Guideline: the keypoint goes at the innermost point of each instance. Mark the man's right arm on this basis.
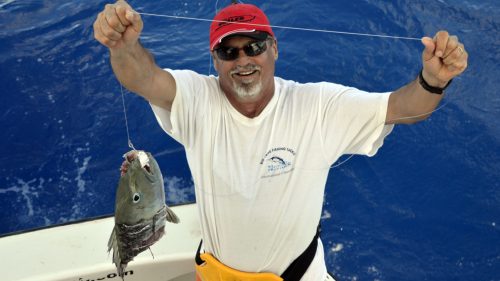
(118, 27)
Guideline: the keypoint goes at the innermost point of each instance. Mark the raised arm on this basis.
(118, 27)
(443, 58)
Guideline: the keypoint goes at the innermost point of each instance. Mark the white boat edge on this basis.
(78, 252)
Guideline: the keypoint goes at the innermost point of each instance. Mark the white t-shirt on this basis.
(259, 182)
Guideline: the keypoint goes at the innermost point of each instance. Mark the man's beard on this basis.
(246, 91)
(250, 90)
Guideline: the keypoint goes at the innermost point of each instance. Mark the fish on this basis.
(140, 210)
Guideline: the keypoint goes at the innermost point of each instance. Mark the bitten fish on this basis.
(140, 209)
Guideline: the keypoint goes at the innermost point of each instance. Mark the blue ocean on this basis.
(426, 207)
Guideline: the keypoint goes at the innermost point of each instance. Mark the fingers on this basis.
(120, 11)
(444, 51)
(456, 59)
(429, 48)
(108, 27)
(454, 55)
(114, 22)
(135, 20)
(451, 45)
(106, 33)
(129, 17)
(441, 41)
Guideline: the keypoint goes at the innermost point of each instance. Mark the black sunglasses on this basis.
(231, 53)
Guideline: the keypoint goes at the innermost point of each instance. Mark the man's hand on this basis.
(118, 26)
(444, 57)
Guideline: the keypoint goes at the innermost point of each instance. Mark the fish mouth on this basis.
(148, 172)
(144, 160)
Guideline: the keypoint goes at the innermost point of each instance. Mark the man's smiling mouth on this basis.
(246, 73)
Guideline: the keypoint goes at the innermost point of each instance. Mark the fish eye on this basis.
(136, 198)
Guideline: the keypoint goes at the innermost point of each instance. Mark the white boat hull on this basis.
(78, 252)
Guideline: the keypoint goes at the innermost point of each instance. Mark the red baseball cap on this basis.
(241, 19)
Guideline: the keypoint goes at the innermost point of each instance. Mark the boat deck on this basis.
(78, 252)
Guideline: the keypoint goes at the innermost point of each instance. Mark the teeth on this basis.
(246, 73)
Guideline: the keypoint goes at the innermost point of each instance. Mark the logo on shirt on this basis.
(278, 161)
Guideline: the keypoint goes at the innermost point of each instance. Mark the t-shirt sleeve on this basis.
(190, 103)
(352, 121)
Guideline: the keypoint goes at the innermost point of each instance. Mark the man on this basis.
(260, 147)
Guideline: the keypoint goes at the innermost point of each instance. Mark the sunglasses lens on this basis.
(227, 53)
(231, 53)
(255, 48)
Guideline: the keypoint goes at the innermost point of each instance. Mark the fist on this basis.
(443, 58)
(118, 25)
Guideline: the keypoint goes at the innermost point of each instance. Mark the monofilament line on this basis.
(396, 119)
(126, 119)
(311, 30)
(288, 27)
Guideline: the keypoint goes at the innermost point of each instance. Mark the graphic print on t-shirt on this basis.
(278, 161)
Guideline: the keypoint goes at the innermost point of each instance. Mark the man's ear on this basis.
(275, 48)
(214, 59)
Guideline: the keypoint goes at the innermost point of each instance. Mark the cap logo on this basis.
(229, 20)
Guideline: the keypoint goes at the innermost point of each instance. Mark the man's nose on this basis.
(242, 57)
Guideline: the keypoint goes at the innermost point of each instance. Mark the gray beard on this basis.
(247, 91)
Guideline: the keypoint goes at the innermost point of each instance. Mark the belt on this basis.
(210, 269)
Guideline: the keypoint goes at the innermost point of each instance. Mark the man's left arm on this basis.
(443, 58)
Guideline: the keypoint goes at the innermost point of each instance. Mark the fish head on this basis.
(140, 192)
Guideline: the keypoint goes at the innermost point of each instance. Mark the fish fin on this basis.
(113, 245)
(171, 216)
(112, 240)
(121, 270)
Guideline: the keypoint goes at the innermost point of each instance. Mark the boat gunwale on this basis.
(83, 220)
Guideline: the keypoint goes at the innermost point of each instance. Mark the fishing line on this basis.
(311, 30)
(383, 124)
(209, 55)
(249, 186)
(126, 119)
(286, 27)
(289, 28)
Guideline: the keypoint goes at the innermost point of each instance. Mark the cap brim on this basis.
(258, 35)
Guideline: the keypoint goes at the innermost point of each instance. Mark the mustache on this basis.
(246, 68)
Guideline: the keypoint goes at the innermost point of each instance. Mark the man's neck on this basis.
(251, 107)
